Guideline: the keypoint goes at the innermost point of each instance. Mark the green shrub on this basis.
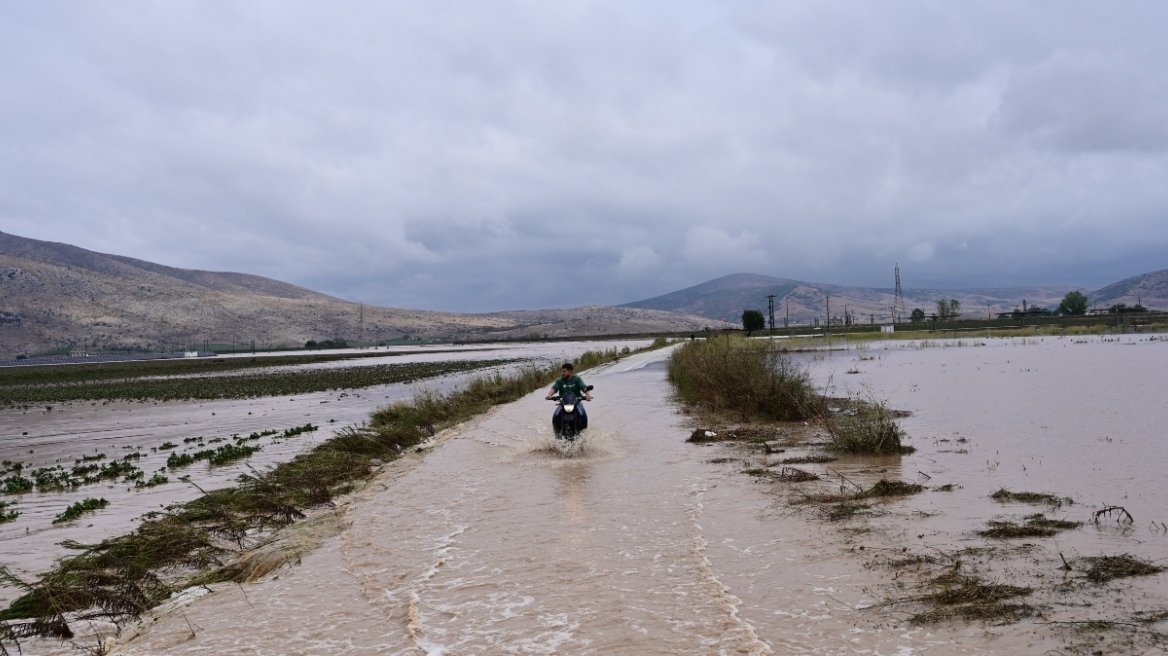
(80, 508)
(872, 430)
(746, 378)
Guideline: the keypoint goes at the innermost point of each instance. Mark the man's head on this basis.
(566, 370)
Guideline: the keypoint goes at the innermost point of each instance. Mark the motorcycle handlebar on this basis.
(586, 389)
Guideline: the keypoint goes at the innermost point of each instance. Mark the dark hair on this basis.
(568, 366)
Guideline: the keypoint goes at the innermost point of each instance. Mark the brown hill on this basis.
(53, 295)
(726, 298)
(1149, 290)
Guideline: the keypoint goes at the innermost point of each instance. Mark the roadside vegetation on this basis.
(747, 380)
(207, 540)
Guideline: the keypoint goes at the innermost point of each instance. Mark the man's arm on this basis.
(584, 388)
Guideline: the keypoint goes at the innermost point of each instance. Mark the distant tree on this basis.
(1073, 303)
(1124, 308)
(948, 309)
(752, 320)
(917, 316)
(310, 344)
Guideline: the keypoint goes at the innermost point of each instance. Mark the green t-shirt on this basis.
(574, 385)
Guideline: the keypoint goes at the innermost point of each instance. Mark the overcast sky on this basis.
(475, 156)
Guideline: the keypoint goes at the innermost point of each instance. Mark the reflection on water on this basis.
(494, 544)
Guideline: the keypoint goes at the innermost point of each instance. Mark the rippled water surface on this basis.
(41, 438)
(495, 542)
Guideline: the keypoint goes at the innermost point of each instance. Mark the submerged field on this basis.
(212, 378)
(1026, 521)
(1031, 509)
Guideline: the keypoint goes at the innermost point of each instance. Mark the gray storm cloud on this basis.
(478, 156)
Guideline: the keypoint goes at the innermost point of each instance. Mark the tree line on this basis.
(1073, 304)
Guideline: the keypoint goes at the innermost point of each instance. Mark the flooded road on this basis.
(499, 543)
(494, 542)
(37, 437)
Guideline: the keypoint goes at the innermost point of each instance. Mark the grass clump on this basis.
(882, 488)
(886, 488)
(75, 511)
(745, 378)
(834, 507)
(809, 460)
(153, 481)
(16, 484)
(843, 510)
(960, 596)
(871, 430)
(220, 455)
(1033, 526)
(294, 431)
(7, 515)
(1103, 569)
(1035, 498)
(796, 475)
(200, 541)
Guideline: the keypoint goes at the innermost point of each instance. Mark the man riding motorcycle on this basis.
(569, 383)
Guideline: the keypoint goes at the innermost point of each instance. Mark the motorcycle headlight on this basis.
(569, 408)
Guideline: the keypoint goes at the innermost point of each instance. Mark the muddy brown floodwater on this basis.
(495, 542)
(37, 437)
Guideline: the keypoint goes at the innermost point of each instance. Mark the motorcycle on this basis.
(569, 419)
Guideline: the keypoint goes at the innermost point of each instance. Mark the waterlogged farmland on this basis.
(214, 378)
(1029, 519)
(650, 541)
(144, 449)
(1034, 505)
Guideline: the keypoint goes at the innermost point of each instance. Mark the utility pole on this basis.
(898, 300)
(771, 310)
(787, 321)
(827, 298)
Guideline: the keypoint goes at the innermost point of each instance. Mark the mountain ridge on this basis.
(727, 296)
(53, 295)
